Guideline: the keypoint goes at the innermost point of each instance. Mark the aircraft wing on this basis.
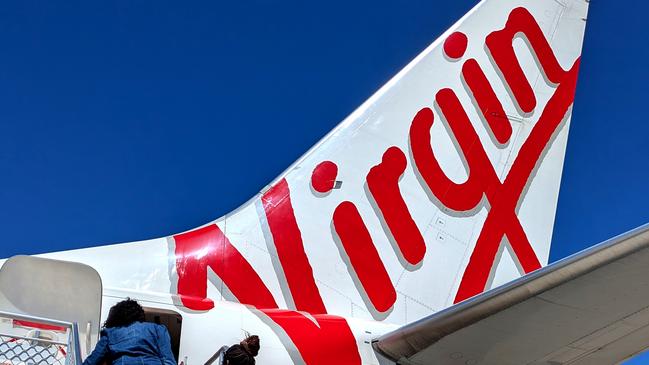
(590, 308)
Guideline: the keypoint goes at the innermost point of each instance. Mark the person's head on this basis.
(124, 313)
(251, 344)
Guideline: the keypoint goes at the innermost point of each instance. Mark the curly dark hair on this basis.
(244, 353)
(251, 344)
(124, 313)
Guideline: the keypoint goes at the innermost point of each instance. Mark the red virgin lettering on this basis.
(484, 95)
(455, 45)
(323, 177)
(501, 45)
(483, 181)
(501, 221)
(208, 247)
(363, 257)
(328, 341)
(505, 199)
(459, 197)
(502, 216)
(290, 249)
(383, 183)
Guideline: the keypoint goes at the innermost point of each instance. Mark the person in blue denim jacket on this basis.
(126, 339)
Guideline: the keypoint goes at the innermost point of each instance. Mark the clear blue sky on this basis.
(127, 120)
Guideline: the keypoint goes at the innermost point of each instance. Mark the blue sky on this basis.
(127, 120)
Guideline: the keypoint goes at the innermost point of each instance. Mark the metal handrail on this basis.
(34, 339)
(73, 344)
(76, 344)
(41, 320)
(218, 355)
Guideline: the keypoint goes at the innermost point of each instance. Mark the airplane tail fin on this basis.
(441, 185)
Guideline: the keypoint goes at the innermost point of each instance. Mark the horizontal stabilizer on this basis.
(591, 308)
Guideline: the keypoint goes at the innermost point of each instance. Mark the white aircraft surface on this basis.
(380, 245)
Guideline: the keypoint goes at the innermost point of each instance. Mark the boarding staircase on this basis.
(33, 340)
(49, 311)
(218, 358)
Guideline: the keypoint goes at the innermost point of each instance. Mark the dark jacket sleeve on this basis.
(164, 346)
(100, 353)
